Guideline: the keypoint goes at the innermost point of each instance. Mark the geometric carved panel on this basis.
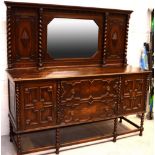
(89, 99)
(38, 106)
(133, 95)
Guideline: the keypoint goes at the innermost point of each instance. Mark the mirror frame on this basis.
(95, 60)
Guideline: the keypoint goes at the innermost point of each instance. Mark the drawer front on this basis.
(88, 99)
(133, 92)
(38, 104)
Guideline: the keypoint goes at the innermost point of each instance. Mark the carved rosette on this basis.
(105, 39)
(9, 33)
(17, 104)
(126, 40)
(40, 64)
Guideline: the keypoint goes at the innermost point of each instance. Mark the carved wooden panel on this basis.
(39, 105)
(116, 33)
(88, 99)
(133, 94)
(25, 39)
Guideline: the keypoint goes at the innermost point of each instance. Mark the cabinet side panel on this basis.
(12, 101)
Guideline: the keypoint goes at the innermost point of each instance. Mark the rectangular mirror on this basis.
(72, 38)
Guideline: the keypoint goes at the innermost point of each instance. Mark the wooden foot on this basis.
(115, 129)
(57, 140)
(141, 125)
(120, 120)
(11, 132)
(19, 149)
(11, 140)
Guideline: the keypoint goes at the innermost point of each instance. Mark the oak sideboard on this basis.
(67, 71)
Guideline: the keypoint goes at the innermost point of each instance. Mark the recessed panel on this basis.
(72, 38)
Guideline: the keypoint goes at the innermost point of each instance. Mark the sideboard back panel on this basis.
(27, 35)
(116, 34)
(24, 42)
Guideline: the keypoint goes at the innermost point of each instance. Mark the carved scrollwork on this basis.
(85, 100)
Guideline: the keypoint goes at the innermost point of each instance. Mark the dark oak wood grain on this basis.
(49, 95)
(27, 74)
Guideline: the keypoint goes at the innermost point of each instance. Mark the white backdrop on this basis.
(139, 30)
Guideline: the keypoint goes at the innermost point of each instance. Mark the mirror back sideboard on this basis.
(57, 87)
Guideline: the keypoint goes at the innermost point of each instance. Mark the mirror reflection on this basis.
(72, 38)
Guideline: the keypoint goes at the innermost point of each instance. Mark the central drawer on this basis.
(86, 100)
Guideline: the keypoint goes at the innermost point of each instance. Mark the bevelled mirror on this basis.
(72, 38)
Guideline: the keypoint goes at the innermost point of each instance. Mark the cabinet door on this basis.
(38, 104)
(88, 100)
(133, 92)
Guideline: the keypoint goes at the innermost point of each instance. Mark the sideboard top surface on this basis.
(65, 73)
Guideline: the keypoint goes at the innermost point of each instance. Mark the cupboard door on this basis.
(88, 100)
(133, 92)
(38, 104)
